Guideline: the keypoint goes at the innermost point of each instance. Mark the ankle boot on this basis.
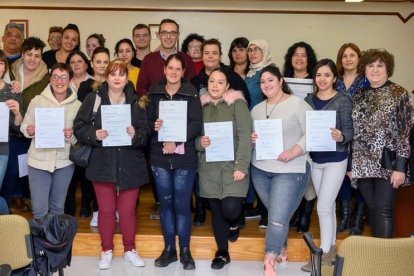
(304, 221)
(199, 213)
(186, 259)
(167, 256)
(358, 227)
(345, 223)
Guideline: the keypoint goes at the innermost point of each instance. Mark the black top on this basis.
(49, 57)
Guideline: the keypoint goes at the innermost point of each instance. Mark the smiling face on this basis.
(55, 40)
(270, 85)
(168, 36)
(376, 73)
(91, 44)
(117, 80)
(350, 60)
(31, 59)
(78, 65)
(125, 53)
(141, 38)
(194, 50)
(255, 54)
(239, 55)
(300, 60)
(59, 80)
(99, 64)
(211, 56)
(217, 85)
(324, 78)
(70, 40)
(173, 71)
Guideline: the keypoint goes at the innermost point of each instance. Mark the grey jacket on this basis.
(342, 104)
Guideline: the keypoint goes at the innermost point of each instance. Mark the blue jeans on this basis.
(3, 166)
(281, 193)
(174, 188)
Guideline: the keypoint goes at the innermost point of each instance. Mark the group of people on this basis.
(374, 118)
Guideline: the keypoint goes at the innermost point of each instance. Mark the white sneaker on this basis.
(94, 220)
(133, 258)
(105, 260)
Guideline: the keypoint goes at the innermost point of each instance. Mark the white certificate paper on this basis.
(300, 87)
(49, 123)
(116, 119)
(23, 167)
(318, 132)
(221, 146)
(4, 122)
(174, 126)
(269, 142)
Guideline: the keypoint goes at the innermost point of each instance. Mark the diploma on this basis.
(221, 146)
(269, 142)
(318, 132)
(49, 123)
(23, 167)
(4, 122)
(115, 120)
(174, 117)
(300, 87)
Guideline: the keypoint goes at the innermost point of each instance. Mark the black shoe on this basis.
(199, 215)
(253, 213)
(168, 256)
(263, 221)
(186, 259)
(345, 223)
(85, 212)
(222, 258)
(234, 233)
(304, 221)
(358, 226)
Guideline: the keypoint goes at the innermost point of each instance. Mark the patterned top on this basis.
(382, 117)
(359, 83)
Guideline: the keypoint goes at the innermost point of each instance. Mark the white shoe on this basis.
(105, 260)
(133, 258)
(94, 220)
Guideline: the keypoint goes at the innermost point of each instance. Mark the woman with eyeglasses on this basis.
(50, 169)
(382, 117)
(192, 47)
(55, 38)
(70, 42)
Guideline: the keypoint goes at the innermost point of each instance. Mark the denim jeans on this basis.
(3, 166)
(174, 188)
(281, 193)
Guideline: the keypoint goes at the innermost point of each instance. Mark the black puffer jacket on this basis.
(187, 93)
(124, 165)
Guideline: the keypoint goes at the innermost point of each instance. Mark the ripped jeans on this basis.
(175, 187)
(281, 193)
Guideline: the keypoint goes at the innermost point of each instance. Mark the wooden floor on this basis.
(149, 241)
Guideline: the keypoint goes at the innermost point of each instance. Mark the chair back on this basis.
(376, 256)
(15, 242)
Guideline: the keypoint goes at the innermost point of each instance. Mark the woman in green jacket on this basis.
(225, 183)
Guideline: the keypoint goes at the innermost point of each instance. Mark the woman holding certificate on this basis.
(281, 179)
(48, 121)
(117, 166)
(224, 159)
(174, 160)
(383, 117)
(329, 167)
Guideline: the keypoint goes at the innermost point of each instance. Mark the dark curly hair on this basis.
(188, 39)
(33, 43)
(288, 70)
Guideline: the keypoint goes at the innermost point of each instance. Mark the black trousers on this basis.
(225, 213)
(380, 198)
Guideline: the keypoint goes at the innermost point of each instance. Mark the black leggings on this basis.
(380, 198)
(225, 213)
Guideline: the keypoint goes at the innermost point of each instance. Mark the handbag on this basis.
(79, 153)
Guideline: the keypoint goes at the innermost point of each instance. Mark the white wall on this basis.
(325, 32)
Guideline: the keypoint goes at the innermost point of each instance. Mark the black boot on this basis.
(294, 220)
(358, 226)
(199, 213)
(345, 223)
(168, 256)
(304, 221)
(186, 259)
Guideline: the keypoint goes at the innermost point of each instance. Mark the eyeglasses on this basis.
(253, 50)
(55, 38)
(195, 47)
(63, 78)
(165, 33)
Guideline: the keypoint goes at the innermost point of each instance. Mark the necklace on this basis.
(268, 115)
